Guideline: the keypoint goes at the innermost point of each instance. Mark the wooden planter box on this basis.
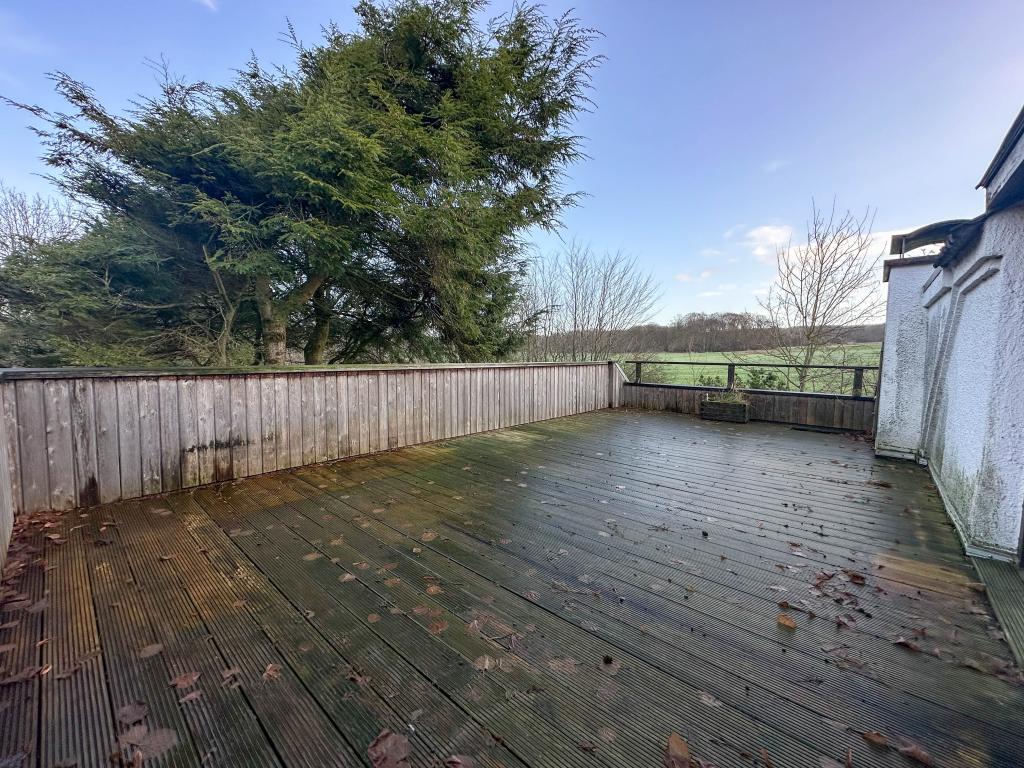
(719, 411)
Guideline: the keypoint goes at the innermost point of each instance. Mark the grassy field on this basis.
(713, 375)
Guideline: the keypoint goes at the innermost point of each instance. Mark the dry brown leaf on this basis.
(185, 680)
(766, 758)
(389, 750)
(346, 577)
(272, 672)
(133, 735)
(677, 754)
(433, 589)
(876, 738)
(908, 644)
(915, 753)
(150, 650)
(311, 556)
(483, 663)
(459, 761)
(157, 743)
(428, 536)
(191, 696)
(373, 618)
(610, 666)
(784, 620)
(437, 627)
(132, 713)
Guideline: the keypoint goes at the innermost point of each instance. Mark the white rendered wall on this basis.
(901, 391)
(966, 366)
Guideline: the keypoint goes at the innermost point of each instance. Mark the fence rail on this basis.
(857, 388)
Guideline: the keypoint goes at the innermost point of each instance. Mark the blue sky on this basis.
(715, 123)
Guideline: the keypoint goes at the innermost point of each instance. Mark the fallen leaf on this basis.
(915, 753)
(876, 738)
(428, 536)
(483, 663)
(433, 589)
(908, 644)
(132, 713)
(766, 758)
(677, 755)
(272, 672)
(784, 620)
(311, 556)
(346, 577)
(610, 666)
(191, 696)
(157, 743)
(373, 618)
(459, 761)
(437, 627)
(133, 735)
(607, 734)
(389, 750)
(185, 680)
(709, 700)
(150, 650)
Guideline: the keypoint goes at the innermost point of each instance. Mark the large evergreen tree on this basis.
(368, 202)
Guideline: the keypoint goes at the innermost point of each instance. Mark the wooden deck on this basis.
(566, 593)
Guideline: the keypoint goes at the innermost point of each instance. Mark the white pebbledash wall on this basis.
(952, 380)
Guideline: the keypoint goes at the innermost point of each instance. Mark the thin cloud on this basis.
(706, 274)
(710, 294)
(725, 287)
(210, 5)
(774, 165)
(764, 241)
(684, 277)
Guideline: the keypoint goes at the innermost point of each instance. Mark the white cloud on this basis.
(764, 241)
(706, 274)
(762, 291)
(731, 231)
(684, 277)
(774, 165)
(210, 5)
(727, 287)
(710, 294)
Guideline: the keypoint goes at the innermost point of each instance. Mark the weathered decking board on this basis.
(467, 593)
(1005, 586)
(841, 412)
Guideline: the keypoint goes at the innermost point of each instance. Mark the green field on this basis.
(714, 375)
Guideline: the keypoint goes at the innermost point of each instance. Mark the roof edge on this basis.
(1009, 141)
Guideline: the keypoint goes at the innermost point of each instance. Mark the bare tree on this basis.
(822, 288)
(587, 304)
(26, 222)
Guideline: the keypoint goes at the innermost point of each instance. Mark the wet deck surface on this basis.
(568, 593)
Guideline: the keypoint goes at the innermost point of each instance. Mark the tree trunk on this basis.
(316, 344)
(273, 327)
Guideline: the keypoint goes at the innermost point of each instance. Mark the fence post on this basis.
(613, 400)
(858, 382)
(636, 373)
(730, 380)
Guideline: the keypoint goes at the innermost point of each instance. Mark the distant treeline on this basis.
(709, 332)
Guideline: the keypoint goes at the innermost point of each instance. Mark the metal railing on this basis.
(857, 388)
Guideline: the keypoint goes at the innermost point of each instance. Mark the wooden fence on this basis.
(846, 412)
(76, 438)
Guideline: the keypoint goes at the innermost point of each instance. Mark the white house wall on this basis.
(952, 392)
